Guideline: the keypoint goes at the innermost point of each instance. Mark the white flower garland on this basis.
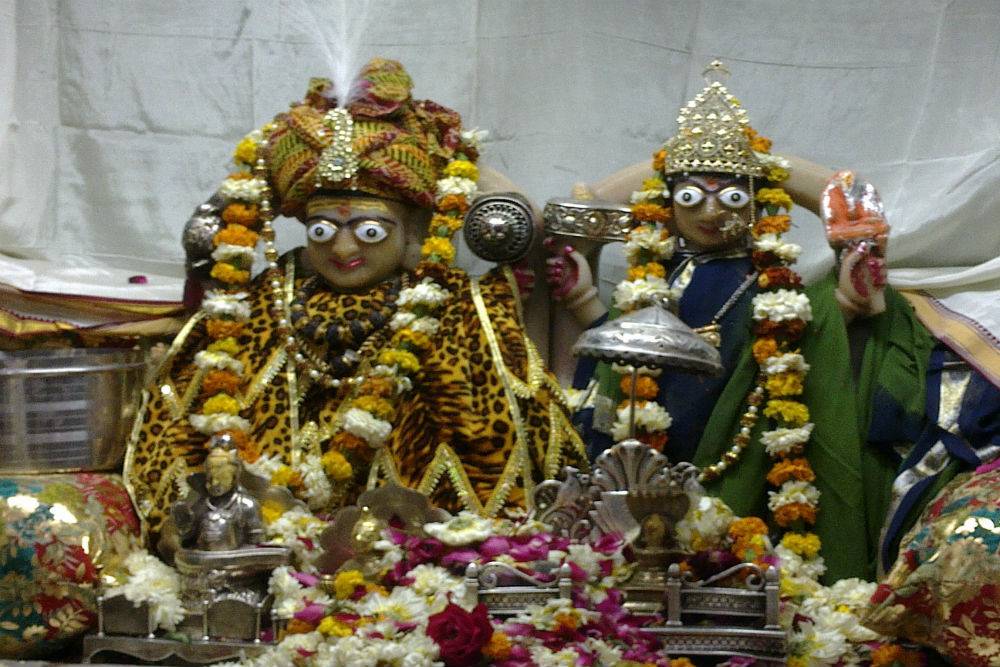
(781, 441)
(366, 426)
(249, 190)
(156, 584)
(650, 416)
(782, 305)
(793, 491)
(219, 421)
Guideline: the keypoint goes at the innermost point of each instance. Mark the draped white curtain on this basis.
(118, 116)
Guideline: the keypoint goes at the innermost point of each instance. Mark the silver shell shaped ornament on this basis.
(652, 336)
(499, 227)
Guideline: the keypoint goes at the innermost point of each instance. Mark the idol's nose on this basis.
(344, 245)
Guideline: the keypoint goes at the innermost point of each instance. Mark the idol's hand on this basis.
(571, 281)
(861, 280)
(525, 277)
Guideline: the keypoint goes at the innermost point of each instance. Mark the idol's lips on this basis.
(710, 229)
(347, 266)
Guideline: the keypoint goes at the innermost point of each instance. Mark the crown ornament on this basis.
(711, 132)
(337, 162)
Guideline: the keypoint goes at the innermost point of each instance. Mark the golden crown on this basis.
(712, 133)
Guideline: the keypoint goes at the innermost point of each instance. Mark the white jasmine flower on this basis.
(318, 490)
(781, 305)
(424, 293)
(367, 426)
(223, 304)
(243, 189)
(466, 528)
(544, 657)
(649, 417)
(585, 558)
(209, 359)
(640, 196)
(771, 160)
(474, 137)
(219, 421)
(792, 565)
(783, 440)
(227, 252)
(426, 325)
(788, 252)
(633, 294)
(793, 491)
(265, 466)
(789, 361)
(648, 237)
(705, 525)
(456, 185)
(401, 320)
(289, 594)
(430, 580)
(152, 582)
(402, 604)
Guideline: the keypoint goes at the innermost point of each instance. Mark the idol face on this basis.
(356, 242)
(220, 475)
(712, 211)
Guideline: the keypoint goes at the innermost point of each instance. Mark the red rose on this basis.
(460, 635)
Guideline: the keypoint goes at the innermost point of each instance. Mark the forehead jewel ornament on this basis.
(337, 162)
(711, 132)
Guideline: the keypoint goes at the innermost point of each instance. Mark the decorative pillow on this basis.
(58, 534)
(944, 589)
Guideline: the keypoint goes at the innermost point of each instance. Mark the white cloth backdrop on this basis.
(118, 116)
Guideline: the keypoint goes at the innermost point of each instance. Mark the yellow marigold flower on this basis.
(886, 655)
(345, 582)
(653, 183)
(798, 661)
(774, 198)
(285, 476)
(221, 403)
(791, 412)
(806, 545)
(239, 213)
(777, 174)
(681, 662)
(246, 152)
(407, 361)
(227, 345)
(336, 466)
(787, 469)
(772, 224)
(645, 270)
(271, 511)
(331, 627)
(379, 407)
(498, 647)
(227, 273)
(439, 246)
(566, 620)
(462, 169)
(646, 212)
(785, 384)
(417, 339)
(450, 223)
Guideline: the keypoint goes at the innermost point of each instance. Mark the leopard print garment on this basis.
(459, 405)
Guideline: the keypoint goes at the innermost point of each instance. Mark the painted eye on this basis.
(734, 197)
(370, 231)
(689, 196)
(321, 232)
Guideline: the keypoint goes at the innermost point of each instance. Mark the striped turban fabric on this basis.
(401, 144)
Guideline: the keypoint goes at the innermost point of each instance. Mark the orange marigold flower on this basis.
(655, 440)
(236, 235)
(646, 212)
(219, 329)
(764, 348)
(297, 626)
(565, 621)
(886, 655)
(757, 142)
(644, 270)
(788, 514)
(345, 441)
(239, 213)
(765, 259)
(220, 381)
(681, 662)
(377, 386)
(645, 386)
(248, 449)
(772, 224)
(789, 329)
(747, 527)
(791, 469)
(659, 159)
(458, 203)
(498, 647)
(228, 273)
(776, 277)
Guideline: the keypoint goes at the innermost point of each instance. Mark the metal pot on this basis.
(67, 410)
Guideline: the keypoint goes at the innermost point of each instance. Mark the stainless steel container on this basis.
(67, 410)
